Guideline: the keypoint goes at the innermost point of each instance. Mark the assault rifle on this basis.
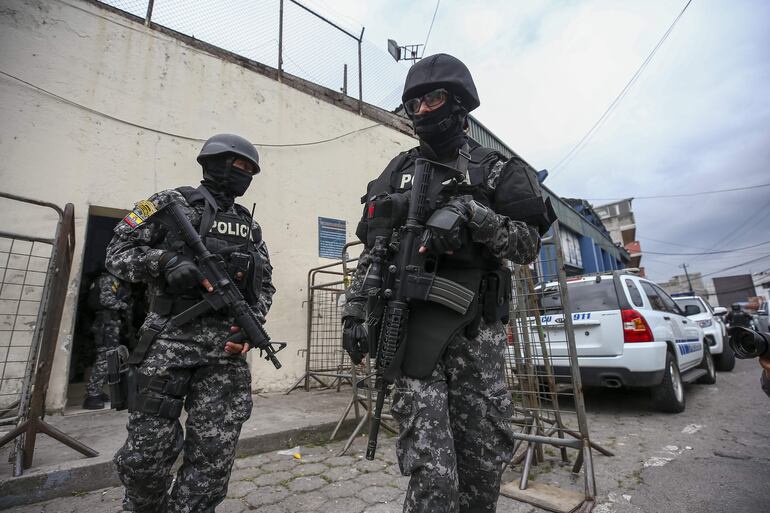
(408, 277)
(226, 294)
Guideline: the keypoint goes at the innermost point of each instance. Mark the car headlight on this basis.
(705, 324)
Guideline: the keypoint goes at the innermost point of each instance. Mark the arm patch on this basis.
(141, 212)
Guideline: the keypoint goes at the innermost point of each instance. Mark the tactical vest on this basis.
(228, 235)
(517, 196)
(432, 326)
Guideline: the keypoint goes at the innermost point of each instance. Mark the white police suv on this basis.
(628, 332)
(714, 330)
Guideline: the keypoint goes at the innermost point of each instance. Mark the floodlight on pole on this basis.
(404, 53)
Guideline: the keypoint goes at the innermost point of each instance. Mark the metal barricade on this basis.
(545, 383)
(327, 365)
(35, 275)
(23, 266)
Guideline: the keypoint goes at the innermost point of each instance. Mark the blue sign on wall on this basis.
(331, 237)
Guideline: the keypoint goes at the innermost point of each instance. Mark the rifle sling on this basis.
(149, 334)
(192, 311)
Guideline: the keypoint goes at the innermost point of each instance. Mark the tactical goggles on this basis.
(431, 100)
(245, 166)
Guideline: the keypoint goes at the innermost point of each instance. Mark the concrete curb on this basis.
(84, 476)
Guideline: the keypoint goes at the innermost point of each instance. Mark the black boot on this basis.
(93, 403)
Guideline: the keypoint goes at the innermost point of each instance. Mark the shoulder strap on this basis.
(397, 163)
(383, 183)
(463, 159)
(477, 174)
(197, 195)
(191, 194)
(480, 153)
(242, 210)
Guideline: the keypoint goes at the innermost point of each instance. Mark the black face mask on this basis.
(442, 130)
(225, 181)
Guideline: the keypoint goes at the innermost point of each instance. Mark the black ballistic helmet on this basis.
(441, 70)
(223, 144)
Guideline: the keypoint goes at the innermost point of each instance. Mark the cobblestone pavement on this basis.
(713, 457)
(320, 481)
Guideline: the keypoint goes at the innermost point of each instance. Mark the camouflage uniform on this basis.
(455, 432)
(113, 298)
(215, 386)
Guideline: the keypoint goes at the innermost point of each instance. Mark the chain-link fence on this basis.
(288, 36)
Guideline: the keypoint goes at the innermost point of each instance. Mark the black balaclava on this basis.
(442, 131)
(224, 181)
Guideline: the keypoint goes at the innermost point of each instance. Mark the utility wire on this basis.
(425, 44)
(171, 134)
(575, 149)
(672, 243)
(736, 265)
(685, 194)
(709, 252)
(713, 259)
(744, 226)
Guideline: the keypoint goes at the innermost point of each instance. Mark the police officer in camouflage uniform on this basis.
(110, 298)
(451, 400)
(193, 365)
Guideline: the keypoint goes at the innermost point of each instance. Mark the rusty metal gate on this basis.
(34, 274)
(545, 382)
(327, 365)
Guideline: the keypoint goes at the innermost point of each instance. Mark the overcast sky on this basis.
(697, 119)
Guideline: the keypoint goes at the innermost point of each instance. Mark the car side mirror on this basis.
(720, 310)
(691, 310)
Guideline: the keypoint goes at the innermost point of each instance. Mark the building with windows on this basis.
(618, 218)
(682, 283)
(588, 245)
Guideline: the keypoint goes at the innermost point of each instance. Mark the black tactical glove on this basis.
(354, 338)
(181, 273)
(443, 231)
(482, 221)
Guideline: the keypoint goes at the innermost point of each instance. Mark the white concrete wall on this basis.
(61, 153)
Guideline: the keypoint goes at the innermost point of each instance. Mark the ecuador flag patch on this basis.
(142, 211)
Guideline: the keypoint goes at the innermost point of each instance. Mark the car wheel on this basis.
(726, 361)
(669, 395)
(708, 365)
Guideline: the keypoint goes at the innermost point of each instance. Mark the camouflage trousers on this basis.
(106, 337)
(218, 402)
(454, 427)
